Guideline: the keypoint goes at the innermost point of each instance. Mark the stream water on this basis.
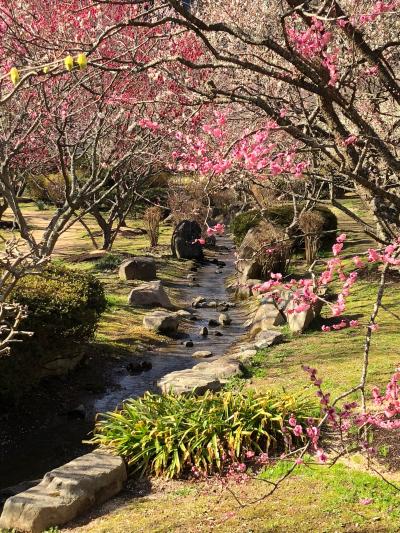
(60, 440)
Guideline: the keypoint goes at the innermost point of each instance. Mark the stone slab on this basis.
(65, 492)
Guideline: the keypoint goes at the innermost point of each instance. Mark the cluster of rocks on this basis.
(201, 302)
(271, 314)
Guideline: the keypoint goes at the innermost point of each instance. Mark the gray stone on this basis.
(184, 314)
(143, 268)
(162, 322)
(224, 319)
(184, 242)
(246, 355)
(65, 493)
(217, 333)
(299, 322)
(267, 317)
(213, 323)
(188, 344)
(203, 331)
(246, 290)
(265, 339)
(197, 301)
(212, 304)
(202, 354)
(200, 378)
(151, 294)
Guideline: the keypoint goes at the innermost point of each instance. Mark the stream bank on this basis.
(61, 413)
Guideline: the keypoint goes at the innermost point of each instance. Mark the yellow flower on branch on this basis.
(81, 60)
(69, 62)
(14, 75)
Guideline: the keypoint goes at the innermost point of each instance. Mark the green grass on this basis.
(337, 355)
(320, 500)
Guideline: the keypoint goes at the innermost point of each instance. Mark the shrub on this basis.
(62, 303)
(64, 307)
(311, 224)
(242, 223)
(48, 188)
(152, 219)
(282, 216)
(108, 262)
(172, 435)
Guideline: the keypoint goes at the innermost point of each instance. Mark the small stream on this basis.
(60, 440)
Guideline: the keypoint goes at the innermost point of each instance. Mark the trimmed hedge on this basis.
(281, 216)
(64, 307)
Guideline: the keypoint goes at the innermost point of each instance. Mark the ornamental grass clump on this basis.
(177, 435)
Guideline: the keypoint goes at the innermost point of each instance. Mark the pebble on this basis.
(188, 344)
(224, 319)
(203, 331)
(202, 354)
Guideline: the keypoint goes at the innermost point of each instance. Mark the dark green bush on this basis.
(108, 262)
(171, 435)
(242, 223)
(64, 307)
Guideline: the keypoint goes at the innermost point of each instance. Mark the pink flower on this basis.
(342, 237)
(354, 323)
(298, 430)
(366, 501)
(373, 327)
(292, 421)
(350, 140)
(299, 461)
(249, 454)
(357, 261)
(322, 457)
(337, 248)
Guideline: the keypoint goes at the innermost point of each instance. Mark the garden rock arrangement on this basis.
(142, 268)
(65, 492)
(163, 322)
(151, 294)
(184, 242)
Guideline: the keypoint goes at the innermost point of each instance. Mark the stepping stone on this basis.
(268, 338)
(202, 354)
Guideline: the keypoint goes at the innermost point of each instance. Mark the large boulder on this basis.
(65, 492)
(268, 316)
(183, 242)
(299, 322)
(162, 322)
(151, 294)
(265, 339)
(143, 268)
